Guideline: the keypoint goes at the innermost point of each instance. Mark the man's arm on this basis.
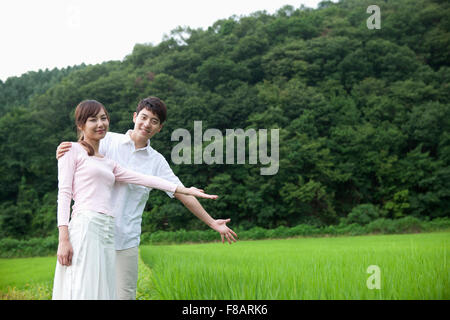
(192, 204)
(219, 225)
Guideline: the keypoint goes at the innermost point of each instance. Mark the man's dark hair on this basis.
(155, 105)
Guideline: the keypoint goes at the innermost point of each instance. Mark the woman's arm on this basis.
(129, 176)
(66, 171)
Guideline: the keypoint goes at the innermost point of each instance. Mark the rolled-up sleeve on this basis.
(165, 172)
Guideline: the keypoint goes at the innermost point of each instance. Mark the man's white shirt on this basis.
(128, 199)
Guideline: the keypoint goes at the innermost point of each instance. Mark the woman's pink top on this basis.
(89, 180)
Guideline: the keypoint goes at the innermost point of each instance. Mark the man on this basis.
(133, 151)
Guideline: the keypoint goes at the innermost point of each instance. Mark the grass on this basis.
(32, 279)
(27, 278)
(412, 266)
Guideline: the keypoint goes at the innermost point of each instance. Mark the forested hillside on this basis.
(364, 116)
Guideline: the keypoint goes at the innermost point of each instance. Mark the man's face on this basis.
(146, 124)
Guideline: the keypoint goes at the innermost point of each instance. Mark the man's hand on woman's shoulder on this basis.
(62, 149)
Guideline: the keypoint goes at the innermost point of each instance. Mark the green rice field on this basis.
(391, 267)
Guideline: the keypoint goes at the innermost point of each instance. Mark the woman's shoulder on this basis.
(77, 149)
(74, 154)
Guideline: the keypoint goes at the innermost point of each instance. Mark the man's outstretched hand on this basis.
(220, 225)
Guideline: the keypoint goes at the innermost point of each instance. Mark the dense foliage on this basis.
(364, 117)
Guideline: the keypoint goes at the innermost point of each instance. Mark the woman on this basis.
(86, 254)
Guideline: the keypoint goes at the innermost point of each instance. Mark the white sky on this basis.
(59, 33)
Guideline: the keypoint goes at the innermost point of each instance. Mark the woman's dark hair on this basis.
(155, 105)
(84, 110)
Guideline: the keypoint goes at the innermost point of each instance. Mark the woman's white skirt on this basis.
(92, 273)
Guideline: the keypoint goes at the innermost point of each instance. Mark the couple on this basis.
(108, 176)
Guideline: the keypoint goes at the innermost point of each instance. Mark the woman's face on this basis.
(96, 127)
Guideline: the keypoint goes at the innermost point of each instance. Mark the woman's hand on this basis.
(65, 253)
(193, 191)
(65, 250)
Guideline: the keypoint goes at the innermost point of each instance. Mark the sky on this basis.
(60, 33)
